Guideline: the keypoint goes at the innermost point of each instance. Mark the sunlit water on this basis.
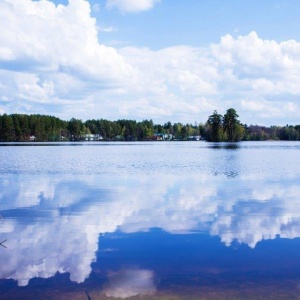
(182, 220)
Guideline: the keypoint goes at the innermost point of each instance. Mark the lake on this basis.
(150, 220)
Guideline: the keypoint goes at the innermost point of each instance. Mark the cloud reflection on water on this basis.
(53, 225)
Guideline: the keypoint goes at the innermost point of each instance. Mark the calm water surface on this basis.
(182, 220)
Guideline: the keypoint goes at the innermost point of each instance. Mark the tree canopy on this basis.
(224, 128)
(218, 128)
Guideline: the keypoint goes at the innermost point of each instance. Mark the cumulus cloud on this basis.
(53, 38)
(182, 80)
(52, 61)
(131, 6)
(43, 43)
(258, 77)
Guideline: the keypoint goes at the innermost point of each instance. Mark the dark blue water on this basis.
(175, 220)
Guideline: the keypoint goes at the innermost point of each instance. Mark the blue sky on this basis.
(199, 23)
(160, 59)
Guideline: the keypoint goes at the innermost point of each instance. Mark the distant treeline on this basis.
(21, 127)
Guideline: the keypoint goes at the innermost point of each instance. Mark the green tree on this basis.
(183, 133)
(214, 127)
(76, 128)
(177, 130)
(8, 129)
(232, 127)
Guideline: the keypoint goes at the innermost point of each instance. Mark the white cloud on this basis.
(266, 67)
(42, 42)
(131, 6)
(235, 72)
(53, 62)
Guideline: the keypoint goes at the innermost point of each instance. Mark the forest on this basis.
(218, 128)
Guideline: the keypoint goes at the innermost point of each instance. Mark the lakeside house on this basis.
(87, 137)
(92, 137)
(161, 137)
